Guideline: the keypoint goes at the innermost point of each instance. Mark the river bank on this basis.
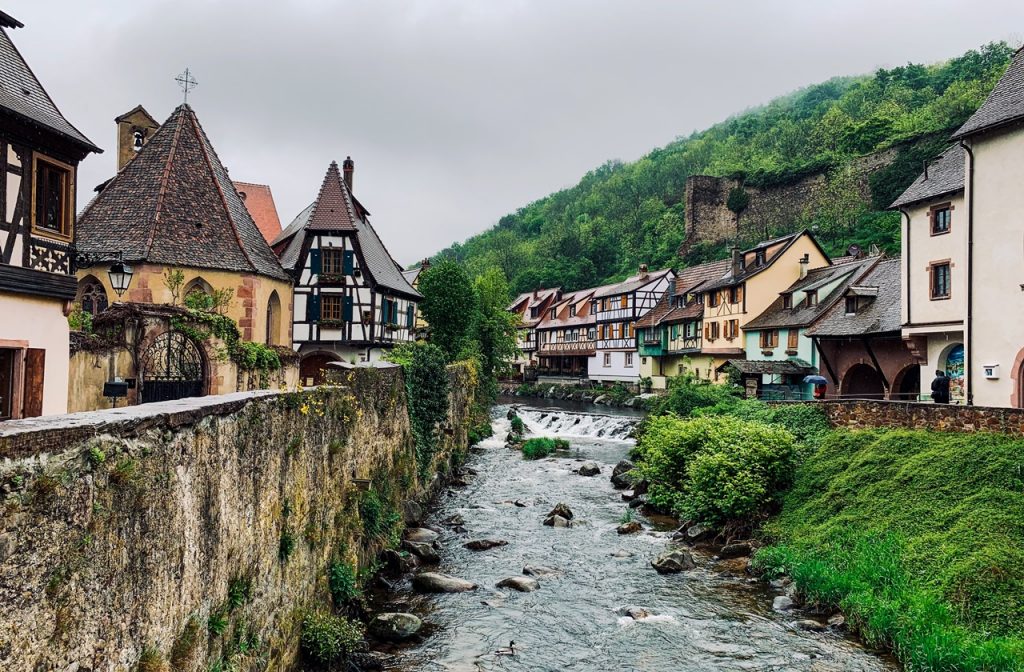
(702, 619)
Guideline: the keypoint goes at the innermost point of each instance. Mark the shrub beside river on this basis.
(917, 536)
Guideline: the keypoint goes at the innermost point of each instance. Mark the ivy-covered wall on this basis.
(200, 531)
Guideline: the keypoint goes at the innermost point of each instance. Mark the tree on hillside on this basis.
(495, 329)
(448, 305)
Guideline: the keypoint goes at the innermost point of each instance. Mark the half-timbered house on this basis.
(566, 338)
(39, 155)
(531, 307)
(616, 308)
(352, 302)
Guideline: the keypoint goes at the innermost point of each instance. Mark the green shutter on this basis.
(313, 308)
(315, 264)
(410, 315)
(348, 262)
(346, 309)
(384, 306)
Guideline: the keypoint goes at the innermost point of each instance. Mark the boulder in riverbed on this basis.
(424, 551)
(433, 582)
(524, 584)
(673, 561)
(398, 563)
(632, 527)
(394, 627)
(561, 510)
(636, 613)
(783, 603)
(557, 521)
(738, 550)
(421, 535)
(620, 478)
(540, 570)
(412, 512)
(589, 469)
(484, 544)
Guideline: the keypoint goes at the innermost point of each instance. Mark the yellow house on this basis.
(172, 209)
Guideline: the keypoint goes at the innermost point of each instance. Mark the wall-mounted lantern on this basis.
(119, 273)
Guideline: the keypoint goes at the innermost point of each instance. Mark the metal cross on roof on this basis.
(187, 82)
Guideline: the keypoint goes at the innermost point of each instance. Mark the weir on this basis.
(552, 422)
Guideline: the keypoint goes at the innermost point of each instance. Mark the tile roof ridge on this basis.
(332, 172)
(171, 151)
(251, 184)
(206, 148)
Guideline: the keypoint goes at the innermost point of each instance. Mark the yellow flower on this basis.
(304, 409)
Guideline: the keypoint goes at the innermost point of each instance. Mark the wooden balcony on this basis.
(586, 348)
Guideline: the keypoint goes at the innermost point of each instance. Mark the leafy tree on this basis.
(495, 331)
(448, 305)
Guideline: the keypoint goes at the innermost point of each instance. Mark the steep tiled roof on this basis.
(174, 204)
(259, 201)
(23, 96)
(334, 211)
(630, 284)
(945, 175)
(787, 367)
(1004, 105)
(801, 315)
(581, 300)
(730, 279)
(880, 315)
(686, 281)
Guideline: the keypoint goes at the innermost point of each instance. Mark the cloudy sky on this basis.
(459, 111)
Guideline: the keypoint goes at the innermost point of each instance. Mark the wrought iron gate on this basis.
(172, 368)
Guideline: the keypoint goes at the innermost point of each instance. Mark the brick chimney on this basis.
(643, 271)
(737, 261)
(348, 167)
(805, 261)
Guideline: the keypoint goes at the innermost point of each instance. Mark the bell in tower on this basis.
(134, 129)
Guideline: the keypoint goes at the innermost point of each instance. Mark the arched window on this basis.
(91, 295)
(198, 294)
(273, 319)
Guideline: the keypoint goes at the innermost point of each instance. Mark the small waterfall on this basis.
(567, 423)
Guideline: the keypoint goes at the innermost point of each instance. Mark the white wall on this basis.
(42, 324)
(617, 371)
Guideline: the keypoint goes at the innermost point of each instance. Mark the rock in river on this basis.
(738, 550)
(673, 561)
(782, 603)
(484, 544)
(631, 527)
(523, 584)
(421, 535)
(425, 552)
(561, 510)
(433, 582)
(538, 570)
(589, 469)
(620, 479)
(394, 627)
(557, 521)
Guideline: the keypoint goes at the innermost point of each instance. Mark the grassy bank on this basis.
(917, 536)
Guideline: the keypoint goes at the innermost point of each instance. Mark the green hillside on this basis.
(623, 214)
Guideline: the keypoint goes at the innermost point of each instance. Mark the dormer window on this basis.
(787, 300)
(759, 258)
(812, 297)
(851, 305)
(553, 311)
(572, 310)
(534, 312)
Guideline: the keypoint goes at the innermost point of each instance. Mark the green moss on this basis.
(184, 647)
(327, 639)
(151, 660)
(286, 545)
(919, 537)
(343, 582)
(382, 523)
(217, 623)
(535, 449)
(239, 592)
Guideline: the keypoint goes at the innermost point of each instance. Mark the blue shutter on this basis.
(384, 305)
(313, 308)
(348, 262)
(315, 264)
(346, 309)
(410, 315)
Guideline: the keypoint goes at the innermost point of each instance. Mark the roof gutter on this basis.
(906, 273)
(970, 274)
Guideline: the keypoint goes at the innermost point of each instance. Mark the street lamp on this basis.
(120, 275)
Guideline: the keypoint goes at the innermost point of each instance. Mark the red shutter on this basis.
(35, 367)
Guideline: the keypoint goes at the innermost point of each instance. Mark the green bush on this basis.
(329, 639)
(687, 394)
(518, 426)
(343, 583)
(918, 537)
(807, 422)
(715, 469)
(382, 522)
(535, 449)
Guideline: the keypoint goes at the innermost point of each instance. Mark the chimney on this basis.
(926, 170)
(425, 264)
(643, 271)
(348, 167)
(737, 261)
(805, 261)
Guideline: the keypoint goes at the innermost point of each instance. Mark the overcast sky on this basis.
(457, 112)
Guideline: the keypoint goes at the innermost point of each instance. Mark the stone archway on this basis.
(906, 386)
(1017, 376)
(862, 381)
(173, 367)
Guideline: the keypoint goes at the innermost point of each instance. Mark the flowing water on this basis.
(701, 620)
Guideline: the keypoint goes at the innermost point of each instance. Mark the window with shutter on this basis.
(35, 368)
(792, 340)
(315, 262)
(348, 263)
(346, 309)
(410, 315)
(313, 308)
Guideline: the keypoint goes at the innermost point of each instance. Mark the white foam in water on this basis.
(566, 423)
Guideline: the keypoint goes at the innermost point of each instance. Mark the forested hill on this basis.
(623, 214)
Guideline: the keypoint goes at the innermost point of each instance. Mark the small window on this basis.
(331, 260)
(607, 359)
(759, 258)
(812, 297)
(734, 295)
(769, 339)
(572, 310)
(591, 334)
(941, 218)
(851, 305)
(92, 297)
(52, 197)
(330, 307)
(713, 299)
(940, 280)
(552, 313)
(793, 339)
(533, 313)
(732, 329)
(787, 300)
(629, 359)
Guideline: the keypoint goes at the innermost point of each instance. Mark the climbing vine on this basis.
(247, 355)
(426, 380)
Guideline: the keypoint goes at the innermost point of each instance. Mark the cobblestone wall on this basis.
(953, 418)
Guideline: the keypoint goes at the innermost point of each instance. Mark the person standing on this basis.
(940, 388)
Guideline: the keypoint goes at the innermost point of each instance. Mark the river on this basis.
(702, 620)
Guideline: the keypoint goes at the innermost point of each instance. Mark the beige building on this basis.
(993, 141)
(39, 155)
(933, 290)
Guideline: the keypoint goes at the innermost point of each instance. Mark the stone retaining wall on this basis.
(954, 418)
(127, 529)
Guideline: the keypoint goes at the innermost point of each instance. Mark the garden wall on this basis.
(128, 529)
(953, 418)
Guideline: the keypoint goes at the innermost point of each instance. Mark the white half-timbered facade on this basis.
(39, 155)
(352, 302)
(615, 309)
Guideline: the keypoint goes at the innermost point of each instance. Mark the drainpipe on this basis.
(970, 276)
(906, 273)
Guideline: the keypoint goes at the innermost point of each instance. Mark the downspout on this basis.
(906, 274)
(969, 372)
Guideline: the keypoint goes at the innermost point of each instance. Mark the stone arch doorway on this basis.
(1017, 376)
(172, 368)
(863, 381)
(312, 367)
(951, 360)
(907, 384)
(273, 335)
